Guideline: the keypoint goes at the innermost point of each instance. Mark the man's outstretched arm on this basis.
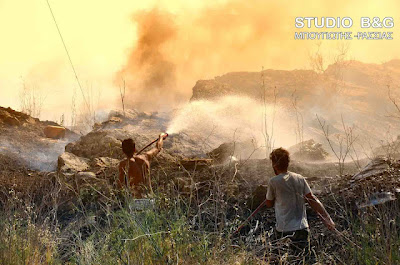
(153, 152)
(317, 206)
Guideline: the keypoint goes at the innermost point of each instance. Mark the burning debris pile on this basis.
(96, 155)
(235, 151)
(104, 142)
(143, 127)
(308, 151)
(105, 139)
(377, 183)
(391, 149)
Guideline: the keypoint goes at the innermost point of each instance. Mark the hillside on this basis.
(356, 91)
(358, 80)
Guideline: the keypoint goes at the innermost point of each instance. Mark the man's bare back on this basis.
(134, 172)
(135, 175)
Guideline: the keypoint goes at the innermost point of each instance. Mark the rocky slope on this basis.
(356, 91)
(358, 80)
(105, 139)
(22, 136)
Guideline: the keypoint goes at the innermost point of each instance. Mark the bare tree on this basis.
(342, 144)
(320, 61)
(31, 100)
(122, 94)
(389, 145)
(355, 157)
(73, 110)
(395, 103)
(299, 121)
(62, 120)
(340, 62)
(268, 126)
(317, 60)
(87, 117)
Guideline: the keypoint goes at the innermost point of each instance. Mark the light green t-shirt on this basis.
(288, 191)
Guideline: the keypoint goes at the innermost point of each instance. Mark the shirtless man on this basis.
(134, 172)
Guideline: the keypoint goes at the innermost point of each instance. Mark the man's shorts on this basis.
(300, 240)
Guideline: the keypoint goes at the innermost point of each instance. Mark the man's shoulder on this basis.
(140, 158)
(124, 162)
(276, 179)
(296, 175)
(273, 179)
(284, 176)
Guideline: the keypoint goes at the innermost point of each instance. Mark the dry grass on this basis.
(191, 223)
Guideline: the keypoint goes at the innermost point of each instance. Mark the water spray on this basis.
(163, 135)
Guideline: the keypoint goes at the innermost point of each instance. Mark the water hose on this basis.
(164, 135)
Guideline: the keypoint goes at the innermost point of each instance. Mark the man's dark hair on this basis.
(280, 158)
(128, 147)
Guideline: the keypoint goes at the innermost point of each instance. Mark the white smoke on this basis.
(42, 158)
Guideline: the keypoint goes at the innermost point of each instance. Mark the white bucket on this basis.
(141, 204)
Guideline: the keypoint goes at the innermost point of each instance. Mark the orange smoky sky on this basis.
(161, 48)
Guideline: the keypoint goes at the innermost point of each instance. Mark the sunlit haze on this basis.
(159, 47)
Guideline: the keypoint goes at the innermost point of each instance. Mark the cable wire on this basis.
(69, 57)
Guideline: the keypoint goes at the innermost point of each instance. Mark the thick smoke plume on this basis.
(149, 74)
(174, 48)
(173, 51)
